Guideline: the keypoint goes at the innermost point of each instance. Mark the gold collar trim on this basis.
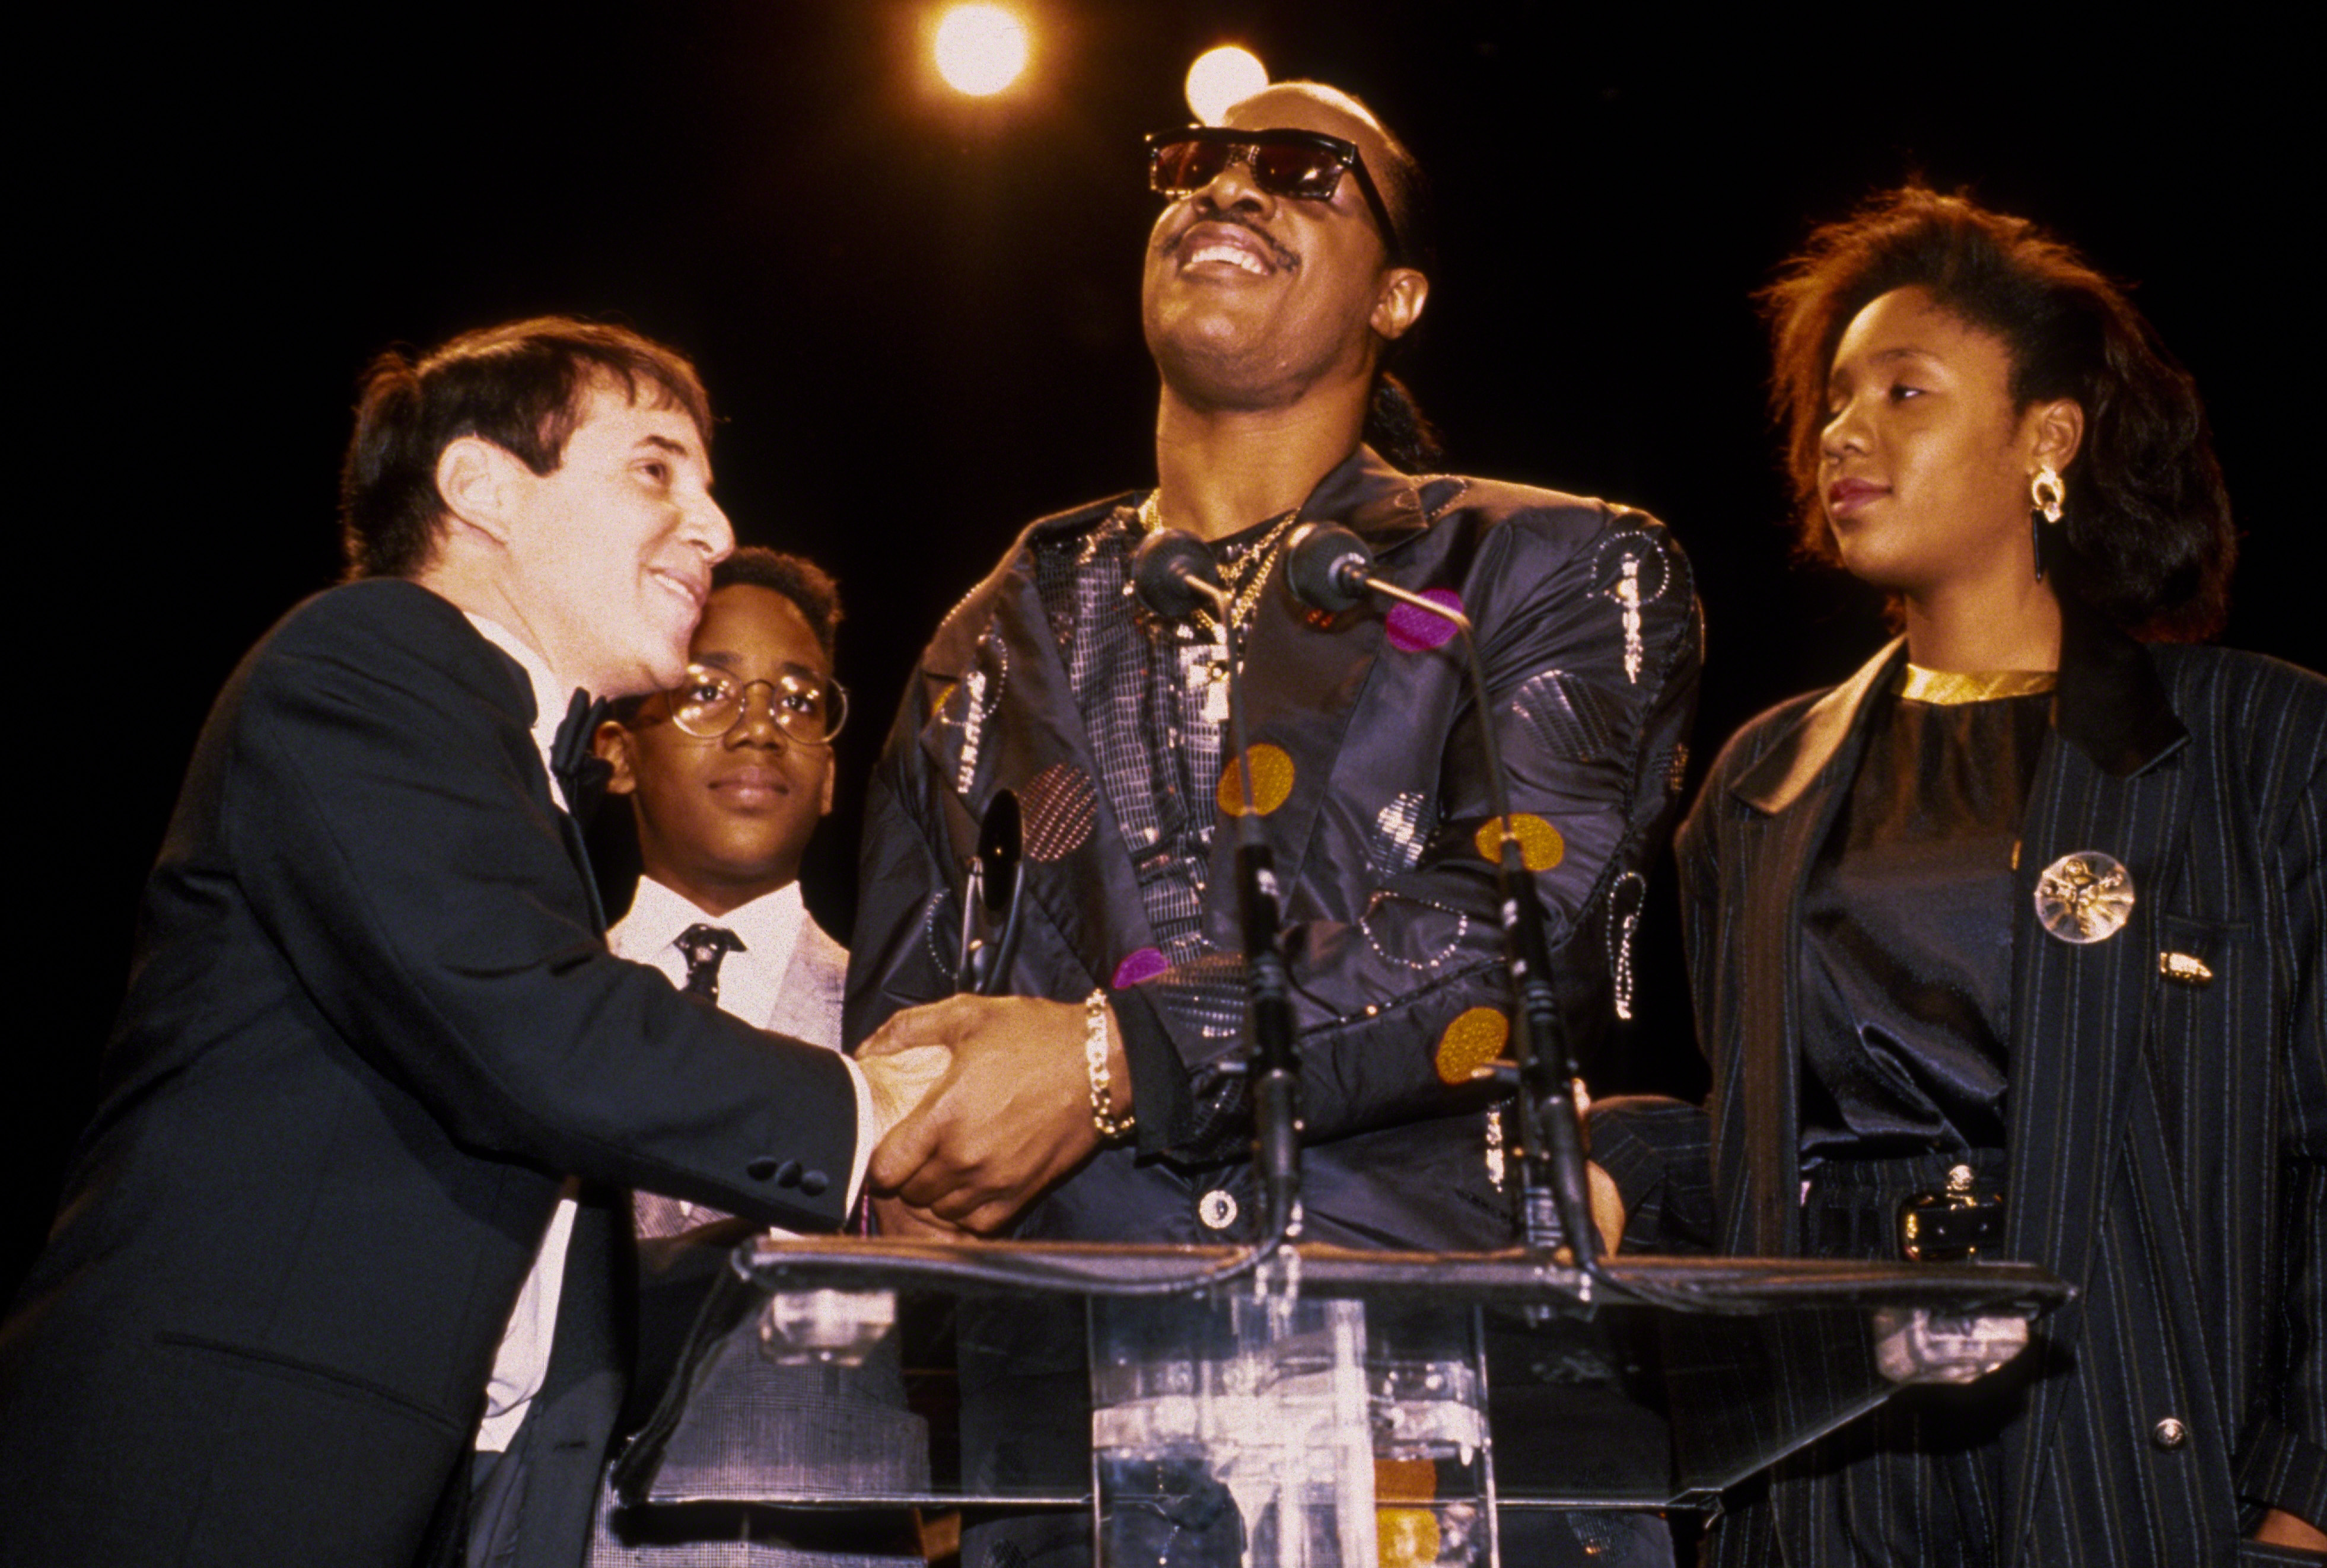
(1952, 689)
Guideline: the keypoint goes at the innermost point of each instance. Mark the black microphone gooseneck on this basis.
(1174, 574)
(1330, 569)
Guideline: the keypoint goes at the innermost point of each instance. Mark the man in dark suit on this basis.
(375, 1059)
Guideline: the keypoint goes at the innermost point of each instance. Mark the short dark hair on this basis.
(522, 387)
(2147, 524)
(807, 584)
(1396, 426)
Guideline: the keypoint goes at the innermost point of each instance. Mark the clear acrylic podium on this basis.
(1346, 1407)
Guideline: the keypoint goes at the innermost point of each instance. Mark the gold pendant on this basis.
(1216, 692)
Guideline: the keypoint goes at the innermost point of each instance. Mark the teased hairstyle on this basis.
(521, 386)
(2147, 522)
(807, 584)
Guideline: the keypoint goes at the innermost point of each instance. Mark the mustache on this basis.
(1276, 251)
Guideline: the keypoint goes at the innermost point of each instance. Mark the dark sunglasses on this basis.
(1305, 165)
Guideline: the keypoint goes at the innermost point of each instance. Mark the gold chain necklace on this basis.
(1242, 579)
(1241, 576)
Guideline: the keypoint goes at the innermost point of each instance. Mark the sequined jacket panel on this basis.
(1374, 801)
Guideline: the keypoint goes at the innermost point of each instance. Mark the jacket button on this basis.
(2169, 1433)
(814, 1182)
(761, 1169)
(1217, 1209)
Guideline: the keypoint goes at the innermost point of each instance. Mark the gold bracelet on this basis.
(1109, 1126)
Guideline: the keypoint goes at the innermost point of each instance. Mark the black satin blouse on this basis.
(1907, 933)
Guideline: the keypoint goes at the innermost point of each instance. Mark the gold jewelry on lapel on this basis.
(2045, 494)
(2084, 896)
(2184, 970)
(1952, 689)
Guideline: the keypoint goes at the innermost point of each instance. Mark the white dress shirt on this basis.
(522, 1363)
(751, 977)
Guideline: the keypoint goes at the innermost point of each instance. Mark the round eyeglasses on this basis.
(806, 706)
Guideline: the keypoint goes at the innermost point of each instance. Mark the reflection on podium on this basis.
(1340, 1409)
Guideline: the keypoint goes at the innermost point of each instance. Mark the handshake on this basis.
(980, 1103)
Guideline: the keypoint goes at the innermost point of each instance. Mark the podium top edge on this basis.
(1513, 1277)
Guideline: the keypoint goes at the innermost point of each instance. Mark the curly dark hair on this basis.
(522, 387)
(2149, 539)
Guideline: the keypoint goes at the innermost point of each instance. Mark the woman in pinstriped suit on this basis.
(2022, 926)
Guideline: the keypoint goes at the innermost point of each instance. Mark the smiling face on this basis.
(1251, 300)
(723, 821)
(1925, 463)
(610, 553)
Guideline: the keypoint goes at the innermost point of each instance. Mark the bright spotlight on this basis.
(980, 48)
(1223, 77)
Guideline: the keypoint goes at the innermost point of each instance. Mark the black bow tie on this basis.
(581, 772)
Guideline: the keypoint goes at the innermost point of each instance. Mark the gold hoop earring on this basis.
(2045, 494)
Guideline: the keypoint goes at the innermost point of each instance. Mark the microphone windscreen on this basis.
(1325, 566)
(1162, 568)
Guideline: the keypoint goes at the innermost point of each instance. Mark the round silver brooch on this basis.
(2084, 896)
(1217, 1210)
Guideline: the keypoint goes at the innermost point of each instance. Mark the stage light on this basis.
(980, 48)
(1223, 77)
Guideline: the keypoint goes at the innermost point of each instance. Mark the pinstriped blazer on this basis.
(2168, 1142)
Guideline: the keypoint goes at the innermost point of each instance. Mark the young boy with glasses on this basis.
(728, 774)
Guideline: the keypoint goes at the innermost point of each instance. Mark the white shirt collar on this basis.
(749, 981)
(550, 695)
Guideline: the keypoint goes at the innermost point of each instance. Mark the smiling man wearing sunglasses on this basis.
(1290, 259)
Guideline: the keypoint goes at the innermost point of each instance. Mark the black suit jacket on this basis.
(2168, 1143)
(370, 1029)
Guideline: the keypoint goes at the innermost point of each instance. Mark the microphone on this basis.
(1174, 574)
(1329, 568)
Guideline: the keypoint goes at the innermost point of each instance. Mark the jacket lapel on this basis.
(808, 998)
(1794, 791)
(2080, 1012)
(1004, 717)
(1316, 666)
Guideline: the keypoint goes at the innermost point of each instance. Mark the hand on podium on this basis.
(1010, 1114)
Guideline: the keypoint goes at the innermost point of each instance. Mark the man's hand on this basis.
(895, 1217)
(1011, 1116)
(1607, 1202)
(1607, 1208)
(900, 1080)
(2281, 1528)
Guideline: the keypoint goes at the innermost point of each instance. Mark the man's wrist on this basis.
(1108, 1069)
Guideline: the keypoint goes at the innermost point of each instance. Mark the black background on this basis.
(917, 316)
